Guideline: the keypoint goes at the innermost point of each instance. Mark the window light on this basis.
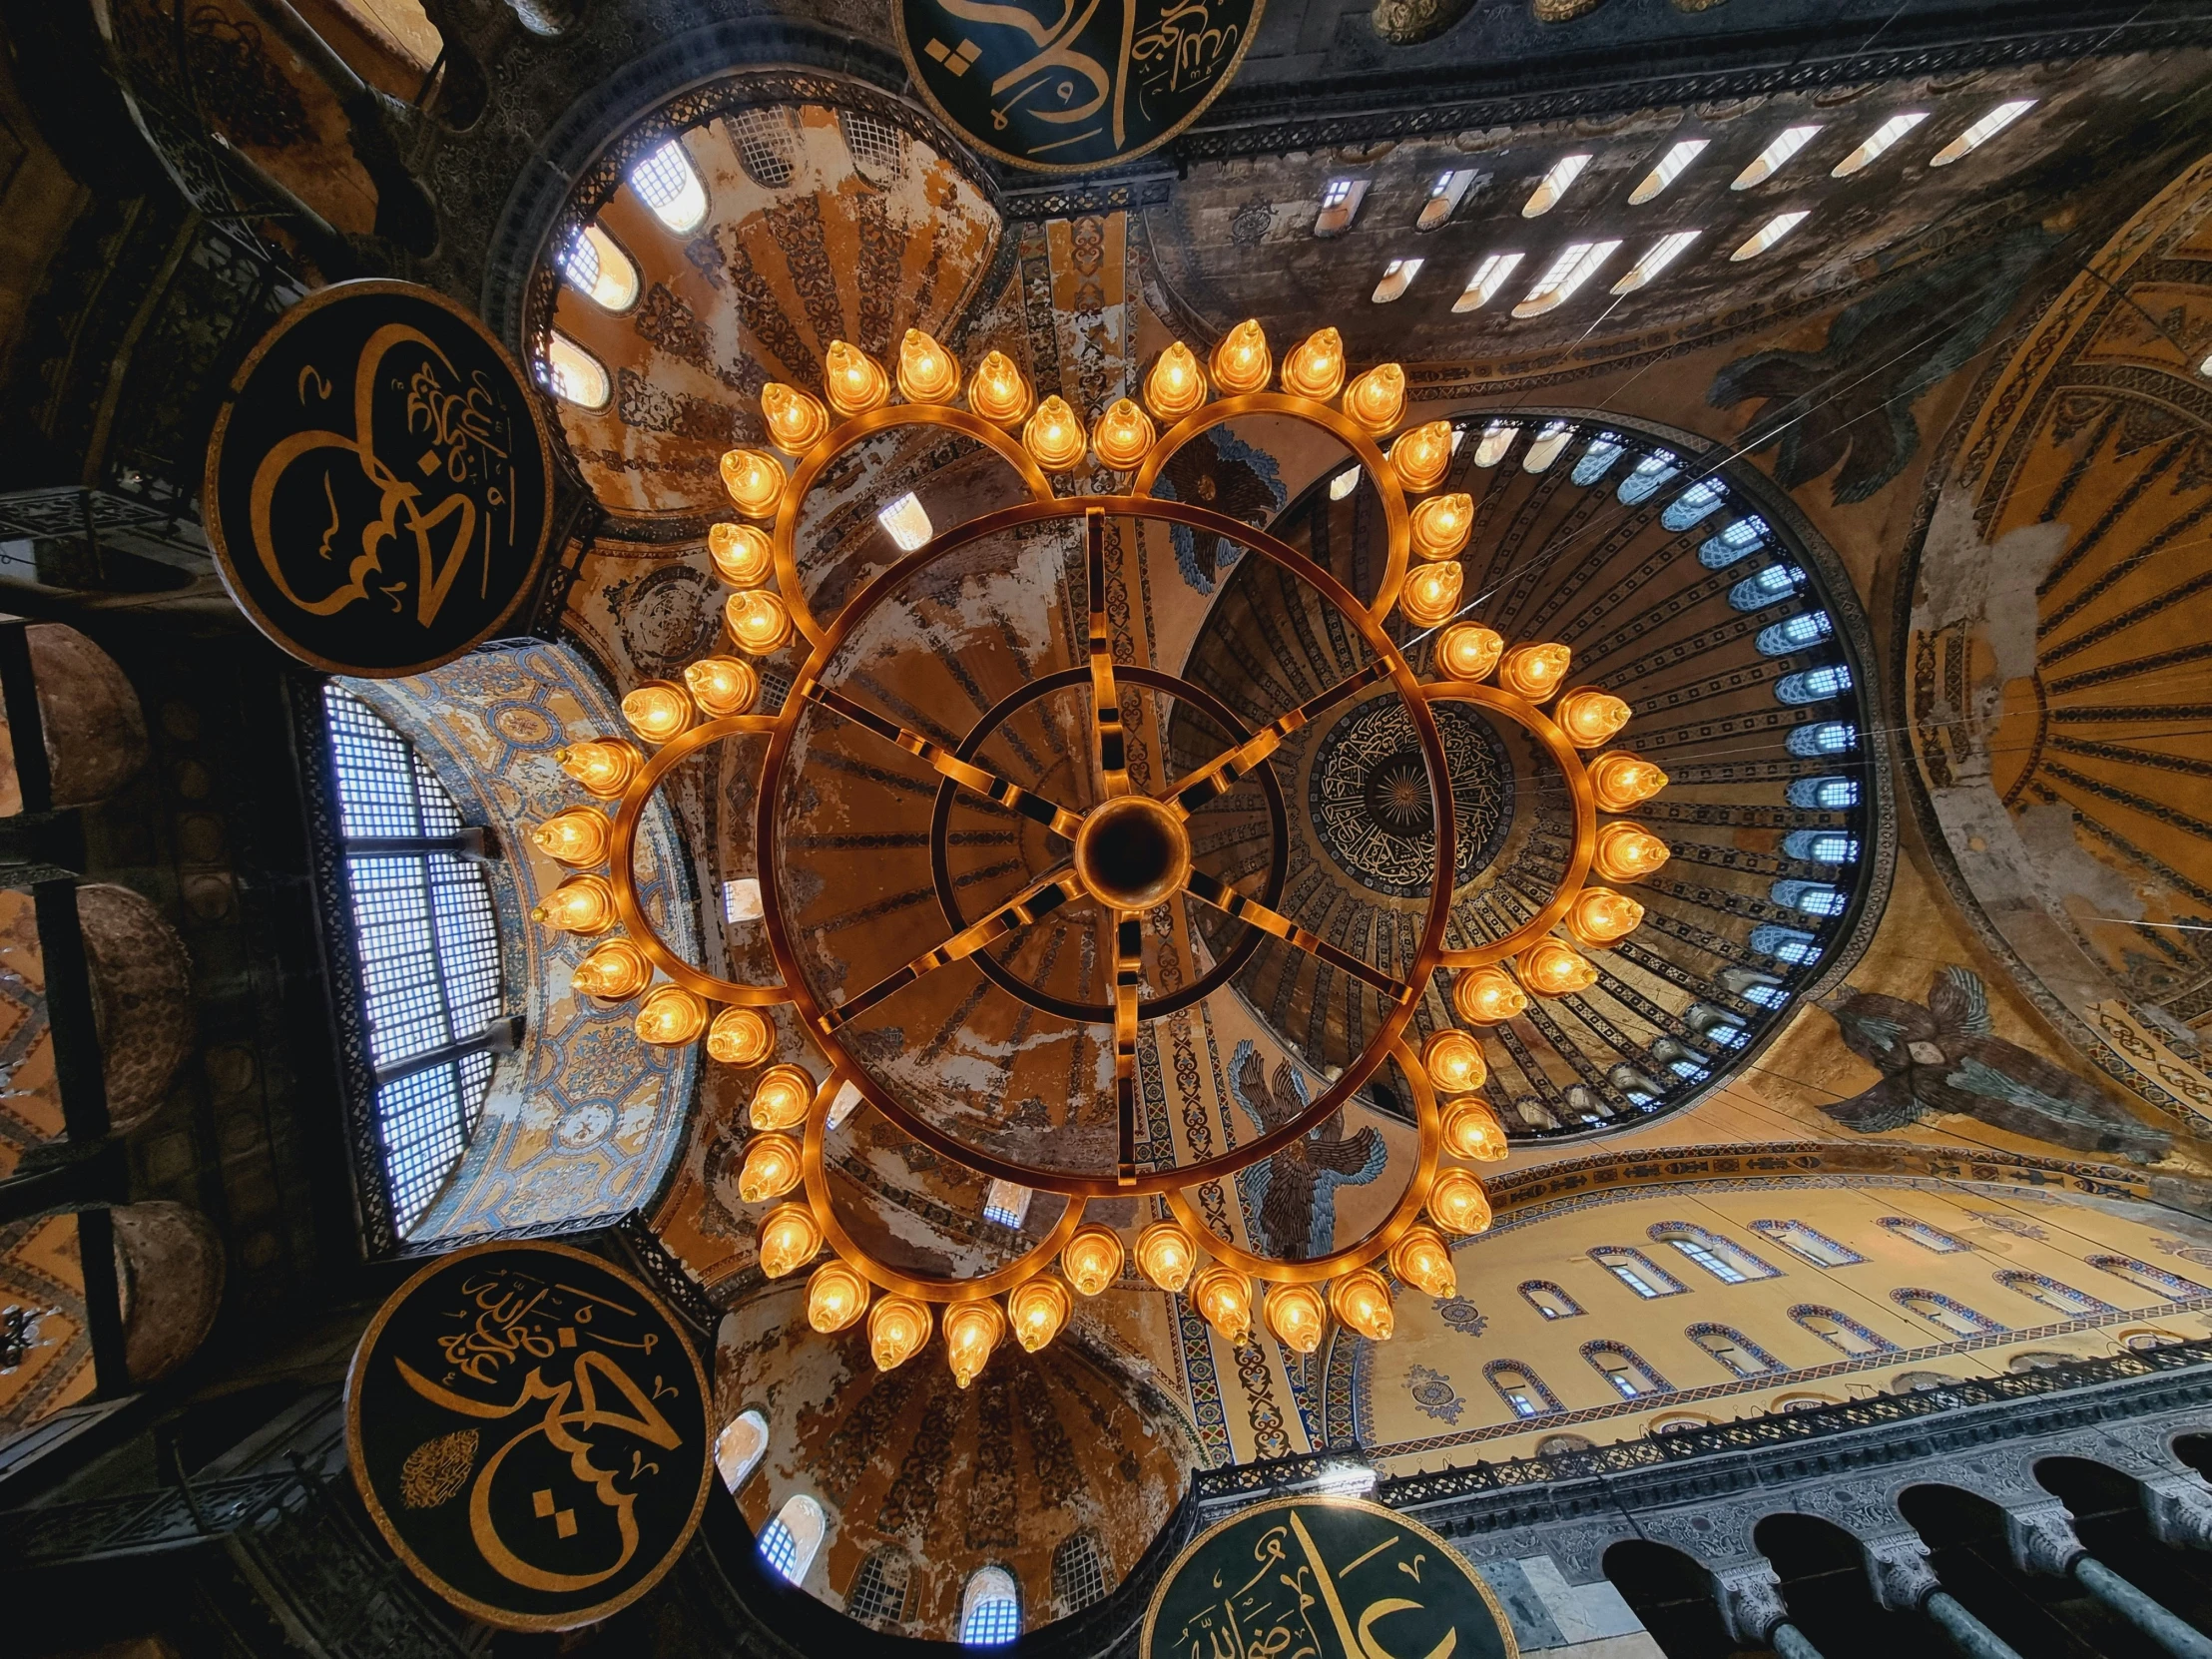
(740, 1448)
(1769, 233)
(1820, 847)
(907, 522)
(1599, 460)
(1340, 202)
(1549, 443)
(1490, 275)
(1555, 184)
(573, 375)
(1006, 1202)
(1650, 475)
(990, 1609)
(600, 271)
(1877, 142)
(1830, 737)
(1344, 483)
(1671, 167)
(1982, 132)
(1775, 157)
(1397, 275)
(1661, 254)
(740, 899)
(1578, 262)
(1443, 196)
(1459, 436)
(843, 1105)
(1498, 437)
(1734, 543)
(666, 183)
(1831, 795)
(1694, 505)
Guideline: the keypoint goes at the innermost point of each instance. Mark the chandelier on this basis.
(1119, 856)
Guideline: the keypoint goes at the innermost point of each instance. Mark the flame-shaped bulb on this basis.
(1422, 1260)
(671, 1017)
(1055, 438)
(1453, 1061)
(1590, 717)
(1468, 651)
(1628, 852)
(1431, 593)
(581, 904)
(1315, 367)
(577, 838)
(743, 555)
(971, 1331)
(1534, 671)
(1177, 386)
(1459, 1204)
(1376, 400)
(1038, 1309)
(999, 392)
(780, 1096)
(1622, 781)
(1242, 361)
(758, 621)
(1422, 456)
(602, 766)
(1123, 434)
(656, 710)
(1362, 1299)
(927, 373)
(1443, 524)
(1486, 996)
(796, 421)
(1092, 1258)
(770, 1168)
(1298, 1317)
(1222, 1297)
(722, 686)
(1599, 917)
(835, 1298)
(789, 1236)
(1472, 1132)
(739, 1038)
(616, 970)
(898, 1329)
(854, 380)
(755, 481)
(1167, 1255)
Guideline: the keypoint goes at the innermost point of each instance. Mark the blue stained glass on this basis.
(1830, 737)
(1694, 505)
(1651, 472)
(1823, 794)
(1721, 551)
(1599, 460)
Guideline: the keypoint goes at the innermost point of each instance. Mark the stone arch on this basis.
(1672, 1594)
(140, 999)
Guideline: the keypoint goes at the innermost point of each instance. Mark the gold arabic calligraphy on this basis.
(1271, 1615)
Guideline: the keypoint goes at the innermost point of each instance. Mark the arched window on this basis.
(1766, 587)
(990, 1608)
(2059, 1299)
(1841, 1332)
(790, 1541)
(597, 268)
(1650, 473)
(878, 1593)
(1735, 542)
(1927, 1236)
(573, 375)
(1830, 737)
(1738, 1354)
(1694, 504)
(1916, 1381)
(2157, 1280)
(1728, 1263)
(1599, 460)
(1814, 685)
(427, 943)
(667, 183)
(1794, 634)
(1637, 1271)
(740, 1448)
(1945, 1315)
(2038, 1359)
(1078, 1577)
(1546, 449)
(1801, 1240)
(1549, 1300)
(1716, 1025)
(1820, 847)
(878, 147)
(1785, 944)
(767, 142)
(1831, 795)
(1813, 899)
(1521, 1389)
(1630, 1378)
(1563, 1446)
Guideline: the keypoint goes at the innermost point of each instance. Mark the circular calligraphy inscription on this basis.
(1095, 86)
(528, 1427)
(1331, 1576)
(1371, 803)
(380, 483)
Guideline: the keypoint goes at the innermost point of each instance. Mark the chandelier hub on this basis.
(1132, 852)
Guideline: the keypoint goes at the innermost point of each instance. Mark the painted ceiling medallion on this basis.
(1370, 802)
(1016, 1043)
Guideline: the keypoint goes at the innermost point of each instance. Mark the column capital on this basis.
(2042, 1538)
(1750, 1597)
(1898, 1572)
(2179, 1509)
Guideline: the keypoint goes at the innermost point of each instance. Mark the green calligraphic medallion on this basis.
(527, 1424)
(1332, 1577)
(379, 482)
(1093, 86)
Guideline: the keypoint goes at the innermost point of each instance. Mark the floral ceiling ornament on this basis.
(1113, 854)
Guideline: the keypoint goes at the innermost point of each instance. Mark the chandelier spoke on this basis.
(1230, 903)
(1128, 979)
(1219, 775)
(1110, 744)
(966, 774)
(1034, 902)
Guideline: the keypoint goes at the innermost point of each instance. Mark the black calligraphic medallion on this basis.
(528, 1427)
(379, 484)
(1080, 89)
(1334, 1577)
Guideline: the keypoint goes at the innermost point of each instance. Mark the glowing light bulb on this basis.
(1598, 917)
(577, 838)
(1422, 456)
(1621, 780)
(770, 1169)
(1468, 651)
(739, 1038)
(1473, 1131)
(1486, 996)
(1459, 1204)
(1176, 386)
(971, 1331)
(1167, 1255)
(1431, 593)
(927, 373)
(604, 767)
(1453, 1061)
(1315, 367)
(781, 1097)
(723, 686)
(1362, 1301)
(758, 621)
(671, 1017)
(1376, 400)
(854, 380)
(898, 1329)
(1055, 438)
(1441, 526)
(1296, 1315)
(796, 421)
(1123, 433)
(1590, 717)
(999, 392)
(616, 970)
(1092, 1258)
(1242, 361)
(1038, 1309)
(1628, 853)
(1551, 967)
(581, 904)
(1534, 671)
(1222, 1297)
(755, 481)
(656, 710)
(743, 555)
(1422, 1260)
(835, 1298)
(789, 1236)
